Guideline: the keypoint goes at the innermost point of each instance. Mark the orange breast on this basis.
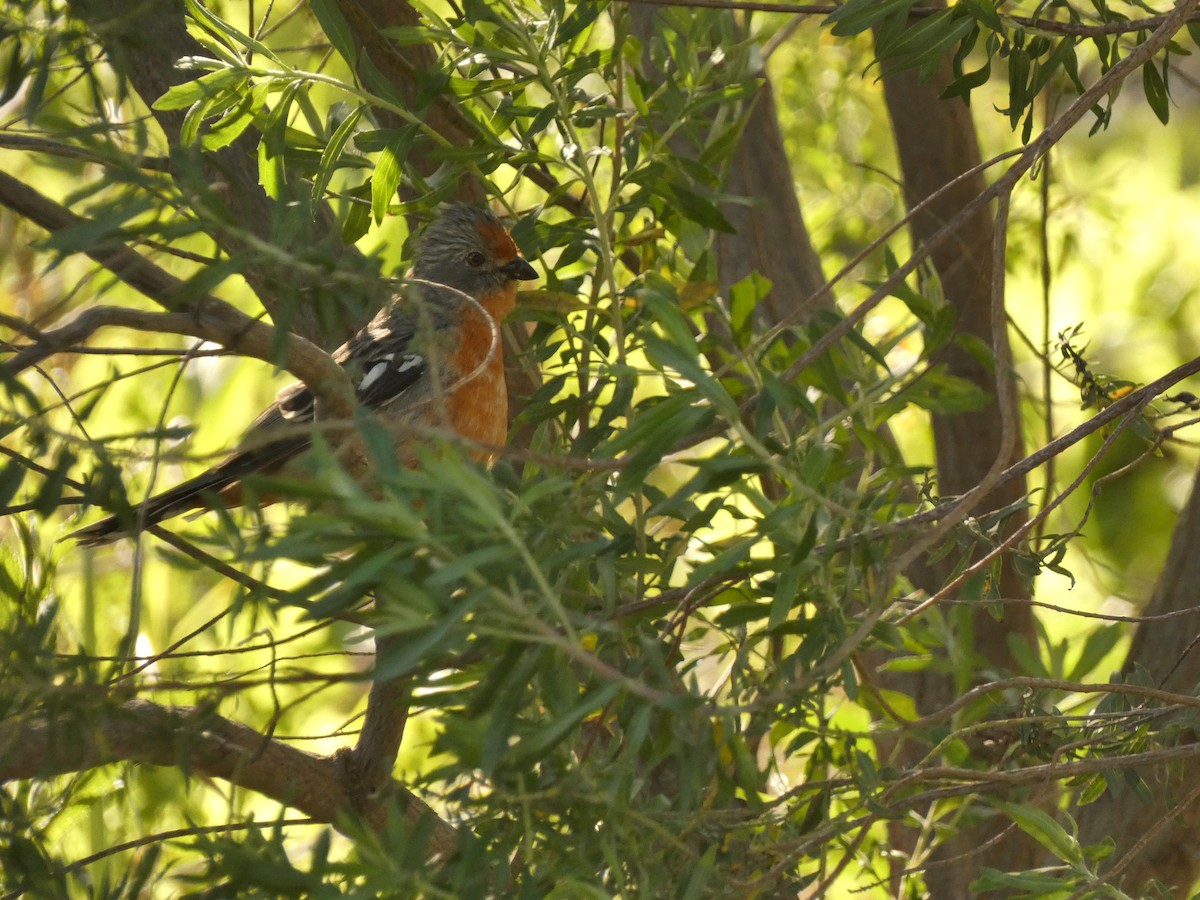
(478, 405)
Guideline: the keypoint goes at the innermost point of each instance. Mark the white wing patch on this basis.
(389, 375)
(376, 371)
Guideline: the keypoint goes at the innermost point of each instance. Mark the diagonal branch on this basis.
(203, 315)
(145, 50)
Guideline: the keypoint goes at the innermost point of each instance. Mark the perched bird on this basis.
(432, 357)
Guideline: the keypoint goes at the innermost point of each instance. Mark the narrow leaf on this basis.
(1044, 829)
(332, 152)
(1156, 92)
(337, 29)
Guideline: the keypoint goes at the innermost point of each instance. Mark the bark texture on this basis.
(1157, 838)
(769, 235)
(936, 143)
(198, 741)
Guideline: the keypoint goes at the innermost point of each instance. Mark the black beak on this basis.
(519, 270)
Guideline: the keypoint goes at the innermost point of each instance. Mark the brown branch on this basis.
(144, 47)
(1026, 159)
(37, 144)
(190, 550)
(176, 833)
(954, 508)
(135, 270)
(1133, 854)
(977, 781)
(196, 315)
(1166, 652)
(196, 740)
(1073, 29)
(1039, 457)
(374, 756)
(1032, 683)
(1021, 531)
(980, 780)
(404, 67)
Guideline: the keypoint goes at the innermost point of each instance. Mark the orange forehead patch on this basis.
(498, 242)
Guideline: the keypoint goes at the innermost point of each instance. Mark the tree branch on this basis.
(196, 740)
(145, 50)
(1075, 29)
(374, 756)
(203, 316)
(403, 68)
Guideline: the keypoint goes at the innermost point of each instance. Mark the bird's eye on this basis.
(475, 259)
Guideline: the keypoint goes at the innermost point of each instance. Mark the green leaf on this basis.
(538, 744)
(52, 488)
(337, 29)
(940, 392)
(1028, 661)
(655, 428)
(1044, 886)
(181, 96)
(1157, 95)
(229, 127)
(692, 205)
(660, 299)
(855, 337)
(742, 613)
(408, 35)
(1044, 829)
(1095, 789)
(1062, 57)
(10, 480)
(744, 298)
(272, 171)
(389, 168)
(358, 216)
(1018, 83)
(967, 82)
(985, 12)
(332, 152)
(579, 19)
(787, 593)
(856, 16)
(1097, 646)
(927, 39)
(15, 72)
(217, 25)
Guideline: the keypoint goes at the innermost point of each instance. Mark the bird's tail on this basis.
(218, 487)
(197, 492)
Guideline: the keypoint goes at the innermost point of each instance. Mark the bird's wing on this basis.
(383, 365)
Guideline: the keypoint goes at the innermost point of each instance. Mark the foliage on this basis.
(639, 648)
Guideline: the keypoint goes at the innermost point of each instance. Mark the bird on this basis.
(431, 357)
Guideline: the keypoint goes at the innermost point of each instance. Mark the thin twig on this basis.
(1073, 29)
(1144, 841)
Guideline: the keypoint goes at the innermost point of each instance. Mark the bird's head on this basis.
(468, 248)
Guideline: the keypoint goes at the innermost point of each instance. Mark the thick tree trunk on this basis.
(936, 143)
(769, 235)
(1155, 839)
